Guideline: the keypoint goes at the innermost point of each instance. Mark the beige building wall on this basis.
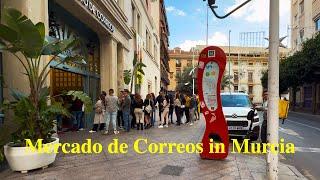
(243, 61)
(304, 13)
(115, 46)
(146, 31)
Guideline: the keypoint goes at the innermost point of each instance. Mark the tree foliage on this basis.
(184, 81)
(302, 67)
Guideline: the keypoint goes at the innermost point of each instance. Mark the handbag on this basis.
(148, 108)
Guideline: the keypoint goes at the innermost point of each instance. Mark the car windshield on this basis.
(235, 101)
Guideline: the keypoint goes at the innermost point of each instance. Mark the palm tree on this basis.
(226, 82)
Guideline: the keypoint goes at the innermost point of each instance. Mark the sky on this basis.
(187, 22)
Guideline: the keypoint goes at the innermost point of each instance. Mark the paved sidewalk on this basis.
(147, 166)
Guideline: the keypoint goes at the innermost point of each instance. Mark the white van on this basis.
(236, 107)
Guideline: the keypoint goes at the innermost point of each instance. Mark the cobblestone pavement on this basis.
(147, 166)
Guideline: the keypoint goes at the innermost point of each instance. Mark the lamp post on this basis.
(273, 89)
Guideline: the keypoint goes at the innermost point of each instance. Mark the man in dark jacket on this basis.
(160, 100)
(125, 108)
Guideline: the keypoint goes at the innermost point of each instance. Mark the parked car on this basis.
(236, 107)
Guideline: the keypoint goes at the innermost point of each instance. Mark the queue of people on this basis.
(132, 111)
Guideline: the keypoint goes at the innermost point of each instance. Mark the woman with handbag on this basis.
(99, 114)
(148, 104)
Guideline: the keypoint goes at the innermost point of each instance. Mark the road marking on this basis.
(307, 149)
(304, 125)
(290, 132)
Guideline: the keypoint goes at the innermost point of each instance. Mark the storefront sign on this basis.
(101, 17)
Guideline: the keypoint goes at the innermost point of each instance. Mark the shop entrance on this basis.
(77, 76)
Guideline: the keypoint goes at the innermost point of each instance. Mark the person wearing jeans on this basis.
(76, 109)
(112, 104)
(125, 107)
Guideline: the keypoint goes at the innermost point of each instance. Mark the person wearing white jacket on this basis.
(164, 114)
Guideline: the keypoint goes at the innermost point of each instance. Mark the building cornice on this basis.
(119, 18)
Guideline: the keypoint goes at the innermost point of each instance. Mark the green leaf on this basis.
(29, 38)
(8, 34)
(41, 28)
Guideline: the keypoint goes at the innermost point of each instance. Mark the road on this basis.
(304, 131)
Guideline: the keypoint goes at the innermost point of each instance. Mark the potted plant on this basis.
(34, 113)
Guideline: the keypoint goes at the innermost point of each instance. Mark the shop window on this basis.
(178, 63)
(171, 75)
(138, 24)
(236, 87)
(317, 24)
(301, 34)
(250, 89)
(250, 76)
(236, 76)
(189, 63)
(301, 7)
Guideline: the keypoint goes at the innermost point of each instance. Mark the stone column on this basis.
(120, 61)
(108, 64)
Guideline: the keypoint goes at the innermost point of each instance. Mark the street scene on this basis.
(160, 89)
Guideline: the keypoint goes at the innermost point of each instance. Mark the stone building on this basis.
(113, 30)
(305, 23)
(246, 67)
(164, 45)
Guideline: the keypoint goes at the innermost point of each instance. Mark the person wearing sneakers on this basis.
(165, 112)
(112, 106)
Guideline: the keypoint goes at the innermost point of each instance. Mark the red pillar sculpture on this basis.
(212, 62)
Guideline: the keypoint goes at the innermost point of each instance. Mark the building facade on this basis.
(246, 67)
(113, 31)
(305, 23)
(164, 47)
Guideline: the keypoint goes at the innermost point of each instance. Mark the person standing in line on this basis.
(182, 108)
(138, 111)
(125, 108)
(153, 116)
(160, 103)
(177, 105)
(148, 106)
(187, 108)
(76, 111)
(171, 108)
(99, 114)
(198, 107)
(112, 106)
(119, 114)
(133, 120)
(164, 120)
(193, 107)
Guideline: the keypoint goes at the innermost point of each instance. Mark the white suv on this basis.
(236, 107)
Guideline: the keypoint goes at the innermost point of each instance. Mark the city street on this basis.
(304, 131)
(152, 166)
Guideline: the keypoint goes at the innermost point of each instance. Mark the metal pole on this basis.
(207, 35)
(193, 74)
(229, 62)
(273, 89)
